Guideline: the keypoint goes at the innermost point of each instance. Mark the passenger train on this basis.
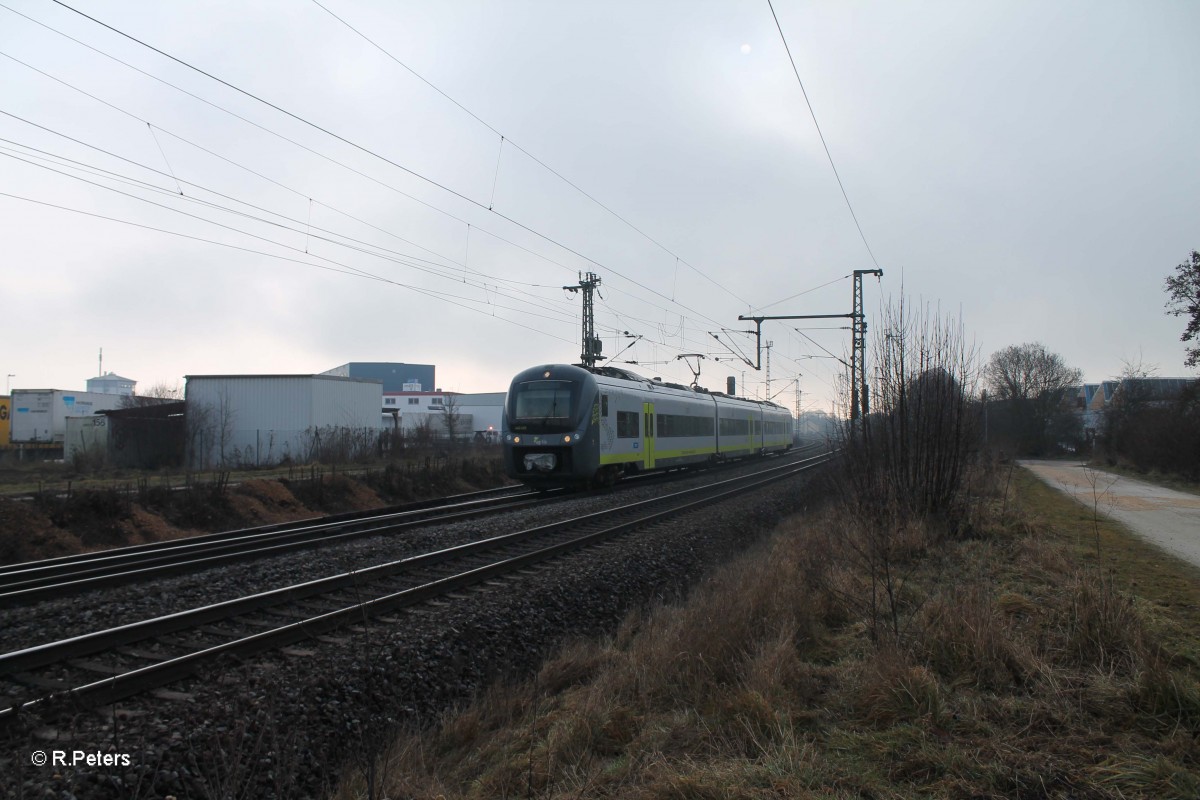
(570, 425)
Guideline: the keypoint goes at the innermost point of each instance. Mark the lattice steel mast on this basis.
(592, 347)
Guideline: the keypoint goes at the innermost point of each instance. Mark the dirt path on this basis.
(1164, 516)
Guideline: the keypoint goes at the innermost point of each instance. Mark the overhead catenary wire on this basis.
(564, 317)
(314, 201)
(531, 156)
(195, 199)
(325, 157)
(801, 294)
(816, 124)
(369, 152)
(405, 259)
(314, 152)
(453, 300)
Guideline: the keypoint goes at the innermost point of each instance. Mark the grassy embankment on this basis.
(1045, 652)
(71, 512)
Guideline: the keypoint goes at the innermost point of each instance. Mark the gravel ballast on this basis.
(287, 724)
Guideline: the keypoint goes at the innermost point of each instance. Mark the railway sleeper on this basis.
(100, 668)
(33, 680)
(142, 655)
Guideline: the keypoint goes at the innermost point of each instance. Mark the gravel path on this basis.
(286, 725)
(1168, 518)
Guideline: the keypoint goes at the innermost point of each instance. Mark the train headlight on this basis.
(516, 439)
(568, 439)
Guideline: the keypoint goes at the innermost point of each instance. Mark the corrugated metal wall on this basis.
(256, 420)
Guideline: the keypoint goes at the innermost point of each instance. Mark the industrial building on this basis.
(256, 420)
(111, 383)
(393, 375)
(477, 416)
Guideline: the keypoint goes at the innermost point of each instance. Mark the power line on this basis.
(362, 273)
(347, 270)
(423, 265)
(321, 155)
(528, 154)
(801, 294)
(803, 91)
(263, 128)
(369, 152)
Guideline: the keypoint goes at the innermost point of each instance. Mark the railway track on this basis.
(30, 582)
(33, 581)
(108, 665)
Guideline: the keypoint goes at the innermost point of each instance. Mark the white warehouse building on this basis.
(478, 415)
(257, 420)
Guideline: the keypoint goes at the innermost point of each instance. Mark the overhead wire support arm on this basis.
(859, 404)
(758, 321)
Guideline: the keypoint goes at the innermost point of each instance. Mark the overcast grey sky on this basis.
(1032, 166)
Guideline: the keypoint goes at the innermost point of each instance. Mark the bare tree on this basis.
(451, 417)
(1035, 388)
(1183, 292)
(160, 392)
(199, 425)
(223, 418)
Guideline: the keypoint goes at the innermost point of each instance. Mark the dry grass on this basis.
(1025, 666)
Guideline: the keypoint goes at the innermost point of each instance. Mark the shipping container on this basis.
(39, 416)
(86, 437)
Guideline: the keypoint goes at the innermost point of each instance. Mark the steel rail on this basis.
(170, 670)
(217, 536)
(119, 570)
(29, 582)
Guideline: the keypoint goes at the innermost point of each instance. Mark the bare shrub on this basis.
(871, 564)
(1168, 695)
(891, 688)
(965, 638)
(911, 456)
(903, 479)
(340, 444)
(1148, 432)
(1136, 775)
(1104, 628)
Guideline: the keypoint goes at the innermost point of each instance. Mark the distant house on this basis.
(1156, 391)
(1096, 399)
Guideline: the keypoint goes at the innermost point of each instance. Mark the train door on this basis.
(648, 435)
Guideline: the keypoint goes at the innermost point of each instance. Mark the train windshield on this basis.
(544, 406)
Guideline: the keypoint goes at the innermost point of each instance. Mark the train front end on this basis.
(551, 427)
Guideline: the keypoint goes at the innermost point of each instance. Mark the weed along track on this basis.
(104, 666)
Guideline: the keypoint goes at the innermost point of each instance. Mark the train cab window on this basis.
(547, 406)
(604, 405)
(627, 425)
